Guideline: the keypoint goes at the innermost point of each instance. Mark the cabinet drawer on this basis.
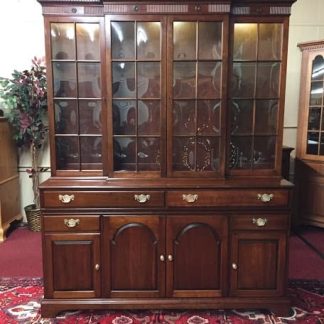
(103, 199)
(222, 198)
(68, 223)
(259, 222)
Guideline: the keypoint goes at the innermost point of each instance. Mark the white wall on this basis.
(21, 38)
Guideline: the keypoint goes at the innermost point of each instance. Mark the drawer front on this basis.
(102, 199)
(71, 223)
(223, 198)
(260, 222)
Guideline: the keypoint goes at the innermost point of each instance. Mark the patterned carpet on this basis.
(20, 303)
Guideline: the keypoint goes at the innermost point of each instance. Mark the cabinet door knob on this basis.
(142, 198)
(97, 267)
(265, 197)
(66, 199)
(71, 222)
(170, 257)
(234, 266)
(162, 258)
(260, 222)
(190, 198)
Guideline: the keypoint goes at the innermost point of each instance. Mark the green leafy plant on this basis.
(25, 98)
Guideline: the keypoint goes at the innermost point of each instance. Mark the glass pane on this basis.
(318, 68)
(64, 79)
(122, 40)
(184, 40)
(208, 117)
(88, 41)
(264, 152)
(124, 117)
(124, 153)
(312, 143)
(242, 117)
(245, 41)
(314, 119)
(243, 80)
(184, 79)
(270, 41)
(63, 41)
(184, 156)
(209, 79)
(91, 152)
(67, 154)
(316, 94)
(149, 117)
(266, 116)
(268, 80)
(89, 80)
(184, 119)
(123, 80)
(322, 144)
(148, 154)
(241, 152)
(66, 117)
(148, 82)
(90, 117)
(207, 154)
(210, 41)
(148, 40)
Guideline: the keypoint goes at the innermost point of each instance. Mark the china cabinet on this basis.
(166, 139)
(310, 139)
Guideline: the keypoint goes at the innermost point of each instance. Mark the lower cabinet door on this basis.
(258, 264)
(72, 265)
(133, 256)
(196, 256)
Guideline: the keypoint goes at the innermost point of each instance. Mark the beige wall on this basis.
(21, 38)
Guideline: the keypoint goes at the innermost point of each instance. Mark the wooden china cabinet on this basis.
(166, 126)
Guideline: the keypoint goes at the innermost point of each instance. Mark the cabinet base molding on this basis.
(51, 307)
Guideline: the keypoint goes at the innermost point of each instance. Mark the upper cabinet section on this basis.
(168, 89)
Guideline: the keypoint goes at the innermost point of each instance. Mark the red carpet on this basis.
(20, 303)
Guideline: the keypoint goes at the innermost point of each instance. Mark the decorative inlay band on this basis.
(115, 8)
(94, 11)
(166, 8)
(241, 10)
(219, 8)
(71, 1)
(280, 10)
(66, 10)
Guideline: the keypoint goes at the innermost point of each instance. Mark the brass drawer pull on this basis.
(190, 198)
(97, 267)
(260, 222)
(170, 257)
(162, 258)
(265, 197)
(71, 222)
(66, 199)
(142, 198)
(234, 266)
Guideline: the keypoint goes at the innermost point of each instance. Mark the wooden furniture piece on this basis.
(166, 145)
(309, 169)
(285, 167)
(9, 180)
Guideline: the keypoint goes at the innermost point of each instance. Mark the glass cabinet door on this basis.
(136, 69)
(254, 95)
(196, 96)
(77, 95)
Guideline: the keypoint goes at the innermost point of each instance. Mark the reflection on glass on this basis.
(208, 117)
(312, 143)
(148, 154)
(241, 116)
(89, 80)
(184, 79)
(90, 117)
(67, 154)
(91, 155)
(240, 152)
(270, 40)
(148, 40)
(63, 41)
(268, 80)
(123, 40)
(124, 153)
(184, 156)
(66, 117)
(149, 117)
(210, 40)
(123, 80)
(184, 119)
(124, 117)
(243, 80)
(264, 152)
(88, 41)
(245, 41)
(148, 82)
(209, 79)
(207, 154)
(316, 93)
(318, 68)
(322, 144)
(314, 118)
(184, 40)
(266, 112)
(64, 79)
